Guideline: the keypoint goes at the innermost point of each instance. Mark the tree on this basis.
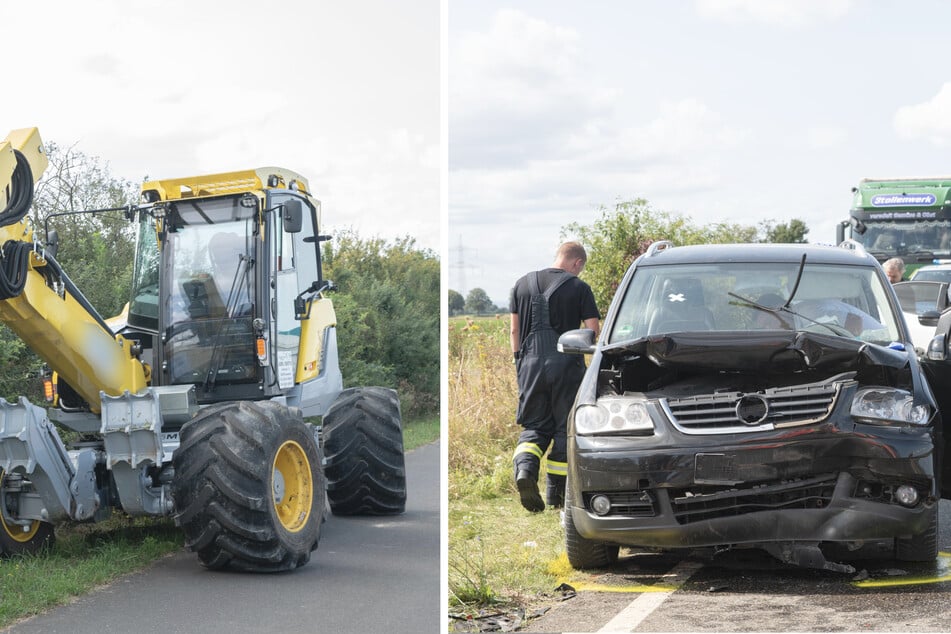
(478, 302)
(457, 303)
(96, 252)
(793, 232)
(387, 310)
(624, 232)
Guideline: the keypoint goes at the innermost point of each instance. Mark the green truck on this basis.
(905, 217)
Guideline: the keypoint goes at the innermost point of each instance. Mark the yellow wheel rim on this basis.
(292, 487)
(15, 531)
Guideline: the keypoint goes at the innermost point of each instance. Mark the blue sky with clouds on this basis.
(720, 110)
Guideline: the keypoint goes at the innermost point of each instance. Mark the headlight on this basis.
(613, 416)
(886, 405)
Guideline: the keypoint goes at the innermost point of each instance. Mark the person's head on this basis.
(224, 249)
(894, 269)
(571, 257)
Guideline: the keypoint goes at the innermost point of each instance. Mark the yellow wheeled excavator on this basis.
(191, 404)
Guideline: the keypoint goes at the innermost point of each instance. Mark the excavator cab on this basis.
(226, 288)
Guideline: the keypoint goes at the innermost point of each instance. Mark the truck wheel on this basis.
(924, 545)
(14, 540)
(585, 554)
(248, 487)
(363, 440)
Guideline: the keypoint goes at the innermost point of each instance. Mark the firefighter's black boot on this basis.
(555, 491)
(527, 483)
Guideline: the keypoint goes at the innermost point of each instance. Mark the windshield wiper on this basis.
(234, 293)
(775, 310)
(784, 307)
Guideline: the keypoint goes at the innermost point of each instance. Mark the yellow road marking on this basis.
(943, 574)
(601, 587)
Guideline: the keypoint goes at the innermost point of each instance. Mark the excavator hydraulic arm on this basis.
(39, 302)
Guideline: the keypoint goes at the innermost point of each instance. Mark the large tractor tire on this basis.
(248, 487)
(363, 441)
(14, 540)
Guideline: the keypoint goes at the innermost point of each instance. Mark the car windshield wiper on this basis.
(776, 310)
(784, 307)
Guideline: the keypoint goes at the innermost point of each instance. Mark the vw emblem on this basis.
(752, 409)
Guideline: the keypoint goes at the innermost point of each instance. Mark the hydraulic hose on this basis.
(13, 268)
(21, 194)
(16, 255)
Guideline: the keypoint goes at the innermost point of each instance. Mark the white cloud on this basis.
(518, 90)
(533, 128)
(347, 95)
(675, 150)
(794, 13)
(826, 137)
(517, 47)
(929, 120)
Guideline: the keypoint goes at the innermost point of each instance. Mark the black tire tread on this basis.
(583, 553)
(222, 487)
(924, 545)
(363, 441)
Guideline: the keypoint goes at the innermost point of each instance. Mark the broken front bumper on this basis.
(820, 484)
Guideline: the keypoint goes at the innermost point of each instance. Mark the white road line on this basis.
(641, 607)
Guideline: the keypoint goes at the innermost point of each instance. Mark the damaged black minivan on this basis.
(754, 395)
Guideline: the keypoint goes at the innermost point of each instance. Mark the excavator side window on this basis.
(144, 304)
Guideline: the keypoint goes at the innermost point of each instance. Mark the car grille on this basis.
(738, 412)
(706, 503)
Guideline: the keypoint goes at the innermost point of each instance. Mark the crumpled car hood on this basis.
(775, 351)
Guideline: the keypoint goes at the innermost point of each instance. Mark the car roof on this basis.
(755, 253)
(935, 267)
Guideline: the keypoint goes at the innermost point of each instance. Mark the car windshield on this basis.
(837, 300)
(932, 275)
(900, 238)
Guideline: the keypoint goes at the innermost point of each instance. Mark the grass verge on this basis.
(500, 555)
(85, 556)
(420, 431)
(90, 555)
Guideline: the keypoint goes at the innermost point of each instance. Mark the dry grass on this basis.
(482, 399)
(498, 552)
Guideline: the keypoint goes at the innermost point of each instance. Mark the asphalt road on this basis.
(367, 575)
(748, 591)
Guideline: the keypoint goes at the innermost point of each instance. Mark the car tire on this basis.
(585, 554)
(922, 546)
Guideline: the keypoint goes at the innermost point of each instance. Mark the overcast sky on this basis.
(720, 110)
(346, 93)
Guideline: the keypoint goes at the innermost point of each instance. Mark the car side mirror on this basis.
(938, 346)
(929, 318)
(580, 341)
(292, 214)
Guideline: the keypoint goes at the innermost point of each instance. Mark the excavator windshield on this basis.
(209, 295)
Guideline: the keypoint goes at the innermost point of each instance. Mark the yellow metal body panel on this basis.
(27, 141)
(226, 183)
(58, 329)
(322, 317)
(61, 332)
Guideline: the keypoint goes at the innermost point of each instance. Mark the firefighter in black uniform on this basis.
(543, 304)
